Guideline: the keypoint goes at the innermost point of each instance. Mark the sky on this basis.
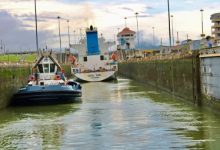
(17, 22)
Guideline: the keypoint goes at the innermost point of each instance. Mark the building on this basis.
(126, 39)
(215, 18)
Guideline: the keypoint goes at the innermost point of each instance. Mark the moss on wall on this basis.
(175, 75)
(11, 78)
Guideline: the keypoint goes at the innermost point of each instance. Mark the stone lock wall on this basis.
(11, 78)
(177, 76)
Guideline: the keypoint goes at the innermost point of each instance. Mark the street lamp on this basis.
(74, 35)
(168, 7)
(1, 47)
(60, 38)
(177, 38)
(68, 32)
(153, 36)
(35, 7)
(125, 21)
(136, 14)
(201, 10)
(172, 29)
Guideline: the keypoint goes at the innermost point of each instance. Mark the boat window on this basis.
(85, 58)
(101, 57)
(46, 68)
(52, 68)
(40, 68)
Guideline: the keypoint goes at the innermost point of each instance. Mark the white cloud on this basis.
(107, 17)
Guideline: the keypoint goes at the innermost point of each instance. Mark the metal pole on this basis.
(168, 7)
(60, 38)
(125, 21)
(172, 30)
(137, 30)
(80, 30)
(68, 32)
(153, 36)
(74, 35)
(172, 71)
(4, 47)
(202, 35)
(1, 47)
(8, 55)
(35, 6)
(177, 37)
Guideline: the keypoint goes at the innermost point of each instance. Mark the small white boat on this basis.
(47, 85)
(94, 66)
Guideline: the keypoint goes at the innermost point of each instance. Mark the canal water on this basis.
(119, 115)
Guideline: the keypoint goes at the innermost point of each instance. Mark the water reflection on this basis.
(33, 127)
(122, 115)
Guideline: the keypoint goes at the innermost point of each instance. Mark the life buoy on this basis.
(31, 78)
(57, 77)
(114, 56)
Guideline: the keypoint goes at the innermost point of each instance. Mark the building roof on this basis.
(126, 31)
(215, 16)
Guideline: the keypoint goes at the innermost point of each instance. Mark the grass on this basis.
(14, 58)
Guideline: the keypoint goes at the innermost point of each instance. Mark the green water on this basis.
(119, 115)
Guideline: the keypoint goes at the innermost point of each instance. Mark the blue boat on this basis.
(47, 85)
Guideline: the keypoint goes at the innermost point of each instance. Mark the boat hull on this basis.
(96, 76)
(45, 98)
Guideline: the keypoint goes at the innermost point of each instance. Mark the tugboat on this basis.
(94, 66)
(47, 85)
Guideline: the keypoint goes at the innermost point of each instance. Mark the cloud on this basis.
(147, 40)
(15, 36)
(127, 8)
(108, 16)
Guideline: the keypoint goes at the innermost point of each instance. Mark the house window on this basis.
(85, 59)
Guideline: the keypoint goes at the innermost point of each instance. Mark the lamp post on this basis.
(80, 33)
(1, 47)
(68, 31)
(153, 36)
(35, 7)
(168, 7)
(172, 29)
(201, 10)
(125, 21)
(74, 36)
(118, 30)
(59, 38)
(177, 37)
(136, 14)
